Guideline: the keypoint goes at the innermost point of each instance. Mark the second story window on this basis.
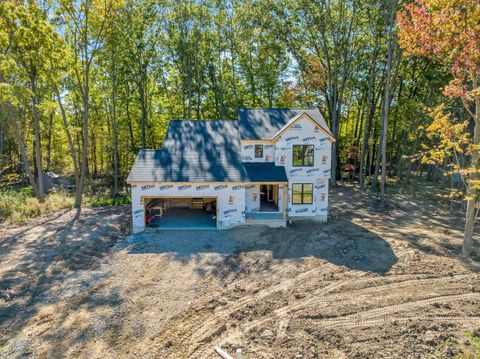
(302, 155)
(258, 151)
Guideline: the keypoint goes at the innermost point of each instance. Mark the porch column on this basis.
(284, 202)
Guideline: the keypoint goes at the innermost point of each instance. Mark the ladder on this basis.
(197, 203)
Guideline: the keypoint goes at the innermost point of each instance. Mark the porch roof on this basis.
(265, 172)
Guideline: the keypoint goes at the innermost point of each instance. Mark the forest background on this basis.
(86, 84)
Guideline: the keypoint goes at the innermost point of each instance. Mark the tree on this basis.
(27, 43)
(321, 36)
(86, 23)
(387, 99)
(448, 31)
(139, 51)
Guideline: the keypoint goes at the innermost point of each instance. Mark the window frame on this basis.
(303, 156)
(302, 201)
(255, 150)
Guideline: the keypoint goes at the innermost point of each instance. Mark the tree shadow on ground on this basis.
(341, 242)
(424, 222)
(54, 262)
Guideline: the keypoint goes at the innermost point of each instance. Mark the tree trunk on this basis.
(378, 156)
(93, 153)
(410, 164)
(114, 125)
(469, 225)
(86, 116)
(129, 120)
(36, 132)
(2, 143)
(21, 147)
(49, 143)
(369, 113)
(232, 56)
(386, 104)
(472, 192)
(143, 105)
(73, 153)
(401, 148)
(190, 95)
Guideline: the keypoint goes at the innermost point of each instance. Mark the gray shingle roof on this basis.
(265, 172)
(193, 151)
(209, 150)
(258, 124)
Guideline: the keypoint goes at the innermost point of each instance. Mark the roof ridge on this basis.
(205, 120)
(276, 108)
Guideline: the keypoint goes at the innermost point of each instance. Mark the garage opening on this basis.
(180, 212)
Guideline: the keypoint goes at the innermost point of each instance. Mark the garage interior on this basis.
(180, 212)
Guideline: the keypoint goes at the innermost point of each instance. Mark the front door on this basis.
(268, 198)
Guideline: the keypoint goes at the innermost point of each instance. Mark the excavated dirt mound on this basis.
(367, 284)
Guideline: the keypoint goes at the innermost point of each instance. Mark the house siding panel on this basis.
(304, 132)
(252, 198)
(248, 152)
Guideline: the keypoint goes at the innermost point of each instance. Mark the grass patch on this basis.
(472, 350)
(102, 201)
(466, 348)
(19, 205)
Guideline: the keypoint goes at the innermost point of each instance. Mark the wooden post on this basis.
(284, 202)
(222, 353)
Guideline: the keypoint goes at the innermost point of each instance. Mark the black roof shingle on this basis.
(193, 151)
(257, 124)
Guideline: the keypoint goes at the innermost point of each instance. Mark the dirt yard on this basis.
(363, 285)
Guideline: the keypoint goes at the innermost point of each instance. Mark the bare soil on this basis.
(367, 284)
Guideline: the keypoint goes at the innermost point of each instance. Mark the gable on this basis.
(303, 131)
(261, 124)
(296, 121)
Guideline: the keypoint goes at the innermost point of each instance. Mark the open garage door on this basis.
(180, 212)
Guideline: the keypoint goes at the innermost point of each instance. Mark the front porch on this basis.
(267, 205)
(264, 215)
(266, 197)
(270, 219)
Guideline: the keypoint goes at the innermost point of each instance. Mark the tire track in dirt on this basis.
(224, 316)
(209, 328)
(315, 300)
(388, 311)
(366, 291)
(285, 285)
(475, 320)
(281, 269)
(201, 330)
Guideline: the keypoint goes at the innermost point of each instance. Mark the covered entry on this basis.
(269, 198)
(180, 212)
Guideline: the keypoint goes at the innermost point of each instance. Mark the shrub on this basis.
(19, 205)
(101, 201)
